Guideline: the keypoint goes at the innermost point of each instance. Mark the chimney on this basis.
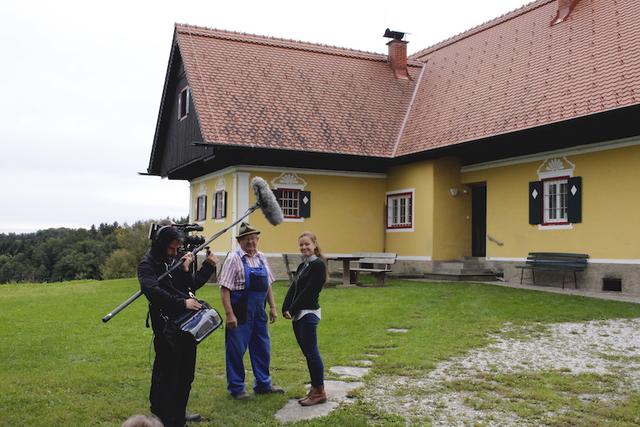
(564, 9)
(397, 54)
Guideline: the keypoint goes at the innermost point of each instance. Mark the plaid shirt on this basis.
(232, 274)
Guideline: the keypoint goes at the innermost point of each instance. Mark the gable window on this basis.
(201, 208)
(555, 201)
(400, 210)
(183, 103)
(220, 204)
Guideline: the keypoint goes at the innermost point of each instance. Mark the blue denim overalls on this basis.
(249, 308)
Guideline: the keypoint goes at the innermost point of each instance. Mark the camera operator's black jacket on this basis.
(168, 296)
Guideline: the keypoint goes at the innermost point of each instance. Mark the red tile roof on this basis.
(518, 72)
(512, 73)
(274, 93)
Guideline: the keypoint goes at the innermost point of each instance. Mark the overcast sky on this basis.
(81, 83)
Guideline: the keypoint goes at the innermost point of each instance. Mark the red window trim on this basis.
(542, 199)
(386, 214)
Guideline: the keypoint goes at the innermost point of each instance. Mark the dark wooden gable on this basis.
(173, 141)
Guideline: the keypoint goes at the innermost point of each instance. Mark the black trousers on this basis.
(173, 372)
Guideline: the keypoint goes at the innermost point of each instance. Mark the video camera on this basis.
(189, 243)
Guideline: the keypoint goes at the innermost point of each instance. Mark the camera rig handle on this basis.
(135, 296)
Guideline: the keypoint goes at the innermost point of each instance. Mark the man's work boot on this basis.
(307, 396)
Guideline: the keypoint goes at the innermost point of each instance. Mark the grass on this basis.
(62, 366)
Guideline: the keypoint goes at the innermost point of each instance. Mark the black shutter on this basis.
(224, 211)
(574, 199)
(535, 202)
(278, 194)
(305, 204)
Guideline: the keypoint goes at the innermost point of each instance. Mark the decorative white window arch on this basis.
(550, 196)
(295, 202)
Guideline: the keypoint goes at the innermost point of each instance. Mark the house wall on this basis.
(418, 242)
(610, 227)
(208, 185)
(347, 212)
(452, 213)
(346, 215)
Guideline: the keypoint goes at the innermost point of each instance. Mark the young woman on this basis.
(301, 305)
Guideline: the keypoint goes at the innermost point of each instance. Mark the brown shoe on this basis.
(317, 397)
(307, 396)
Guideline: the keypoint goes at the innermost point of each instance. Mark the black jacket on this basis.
(168, 296)
(305, 290)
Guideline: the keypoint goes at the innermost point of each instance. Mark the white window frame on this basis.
(187, 97)
(400, 212)
(554, 202)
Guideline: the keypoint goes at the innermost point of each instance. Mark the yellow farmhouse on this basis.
(518, 136)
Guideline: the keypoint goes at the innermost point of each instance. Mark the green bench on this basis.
(554, 261)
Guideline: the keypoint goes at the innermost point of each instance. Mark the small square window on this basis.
(400, 210)
(183, 103)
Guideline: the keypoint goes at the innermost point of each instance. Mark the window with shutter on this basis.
(555, 201)
(201, 208)
(289, 200)
(220, 204)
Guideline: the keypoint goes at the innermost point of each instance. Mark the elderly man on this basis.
(245, 287)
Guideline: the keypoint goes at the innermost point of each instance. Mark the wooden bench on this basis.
(376, 263)
(291, 262)
(554, 261)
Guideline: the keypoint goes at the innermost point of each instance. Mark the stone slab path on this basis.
(349, 371)
(337, 393)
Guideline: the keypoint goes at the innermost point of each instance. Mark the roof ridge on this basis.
(481, 27)
(283, 42)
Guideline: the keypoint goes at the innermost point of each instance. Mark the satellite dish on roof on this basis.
(396, 35)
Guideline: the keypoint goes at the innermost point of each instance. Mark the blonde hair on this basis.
(317, 251)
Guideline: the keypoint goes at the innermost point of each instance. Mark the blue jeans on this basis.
(307, 337)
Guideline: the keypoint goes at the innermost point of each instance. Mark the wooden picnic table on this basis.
(346, 266)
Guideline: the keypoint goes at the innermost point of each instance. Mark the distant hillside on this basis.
(57, 254)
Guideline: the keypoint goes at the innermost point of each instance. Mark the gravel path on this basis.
(610, 347)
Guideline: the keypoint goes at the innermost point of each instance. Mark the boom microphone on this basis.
(267, 201)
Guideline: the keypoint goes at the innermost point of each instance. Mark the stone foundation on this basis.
(590, 279)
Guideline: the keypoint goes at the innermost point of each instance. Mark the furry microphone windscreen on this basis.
(267, 201)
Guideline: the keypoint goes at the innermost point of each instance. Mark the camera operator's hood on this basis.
(164, 236)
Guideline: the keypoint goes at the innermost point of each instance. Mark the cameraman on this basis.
(174, 364)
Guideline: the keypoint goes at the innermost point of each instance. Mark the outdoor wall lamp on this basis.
(454, 191)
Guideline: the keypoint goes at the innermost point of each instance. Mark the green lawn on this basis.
(61, 366)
